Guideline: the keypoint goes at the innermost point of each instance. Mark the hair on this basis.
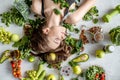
(39, 45)
(39, 41)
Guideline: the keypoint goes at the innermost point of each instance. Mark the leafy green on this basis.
(62, 3)
(28, 2)
(91, 15)
(95, 21)
(72, 10)
(56, 11)
(70, 27)
(12, 16)
(37, 22)
(75, 44)
(24, 46)
(76, 30)
(115, 35)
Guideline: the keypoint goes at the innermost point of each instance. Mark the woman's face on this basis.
(55, 36)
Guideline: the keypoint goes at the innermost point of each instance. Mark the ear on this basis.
(46, 30)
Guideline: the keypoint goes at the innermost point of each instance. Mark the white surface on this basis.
(111, 62)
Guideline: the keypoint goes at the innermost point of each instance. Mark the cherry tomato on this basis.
(19, 62)
(97, 75)
(13, 65)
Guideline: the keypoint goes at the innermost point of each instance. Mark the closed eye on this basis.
(57, 40)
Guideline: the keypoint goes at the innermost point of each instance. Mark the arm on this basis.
(36, 6)
(80, 12)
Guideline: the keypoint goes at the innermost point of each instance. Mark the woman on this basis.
(50, 36)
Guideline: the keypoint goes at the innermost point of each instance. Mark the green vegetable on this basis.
(5, 55)
(40, 69)
(70, 27)
(82, 58)
(28, 2)
(56, 11)
(12, 16)
(108, 17)
(76, 30)
(38, 74)
(91, 14)
(95, 21)
(92, 71)
(26, 79)
(115, 35)
(42, 75)
(62, 3)
(75, 44)
(23, 46)
(72, 10)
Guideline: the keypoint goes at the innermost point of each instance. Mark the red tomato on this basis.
(19, 62)
(97, 75)
(102, 76)
(102, 79)
(13, 65)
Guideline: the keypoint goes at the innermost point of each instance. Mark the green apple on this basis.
(100, 53)
(15, 37)
(77, 69)
(31, 58)
(52, 56)
(51, 77)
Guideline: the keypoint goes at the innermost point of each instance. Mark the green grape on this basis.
(5, 36)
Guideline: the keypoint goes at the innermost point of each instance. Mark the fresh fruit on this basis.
(51, 77)
(82, 58)
(15, 38)
(5, 55)
(31, 58)
(51, 56)
(100, 53)
(77, 69)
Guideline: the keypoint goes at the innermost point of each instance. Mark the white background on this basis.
(111, 62)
